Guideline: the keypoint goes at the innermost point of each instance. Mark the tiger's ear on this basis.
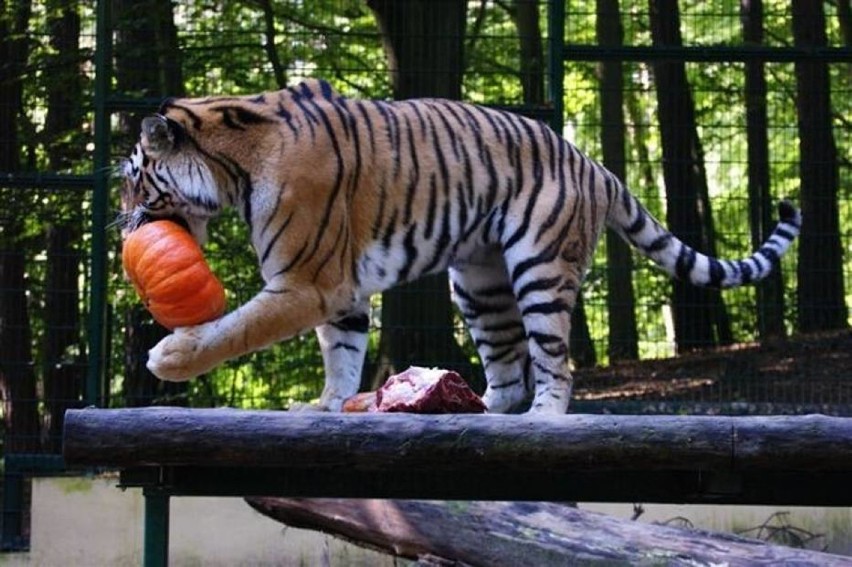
(159, 135)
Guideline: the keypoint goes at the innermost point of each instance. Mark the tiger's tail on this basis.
(638, 227)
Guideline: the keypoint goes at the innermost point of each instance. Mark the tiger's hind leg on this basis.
(546, 291)
(484, 296)
(344, 344)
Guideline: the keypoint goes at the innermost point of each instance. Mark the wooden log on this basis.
(508, 534)
(747, 460)
(228, 437)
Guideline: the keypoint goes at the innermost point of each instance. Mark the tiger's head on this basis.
(168, 176)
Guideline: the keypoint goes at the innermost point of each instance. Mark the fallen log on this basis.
(513, 534)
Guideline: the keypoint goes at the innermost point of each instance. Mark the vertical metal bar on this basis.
(100, 198)
(156, 551)
(13, 512)
(556, 62)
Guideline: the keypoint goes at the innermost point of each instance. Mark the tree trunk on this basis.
(17, 376)
(64, 87)
(620, 301)
(424, 43)
(844, 19)
(139, 22)
(770, 293)
(14, 21)
(700, 318)
(63, 343)
(523, 533)
(525, 15)
(821, 302)
(278, 69)
(581, 346)
(134, 75)
(170, 60)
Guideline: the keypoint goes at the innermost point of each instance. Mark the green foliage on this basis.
(492, 57)
(718, 94)
(224, 46)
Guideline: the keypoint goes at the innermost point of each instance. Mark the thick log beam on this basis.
(507, 534)
(228, 437)
(785, 460)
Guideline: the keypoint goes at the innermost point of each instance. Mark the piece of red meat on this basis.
(420, 390)
(428, 390)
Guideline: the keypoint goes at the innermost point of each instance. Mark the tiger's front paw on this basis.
(180, 356)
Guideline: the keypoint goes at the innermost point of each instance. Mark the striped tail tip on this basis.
(788, 213)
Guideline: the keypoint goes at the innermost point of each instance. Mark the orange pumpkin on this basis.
(167, 268)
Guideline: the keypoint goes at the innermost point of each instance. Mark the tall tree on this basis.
(844, 18)
(621, 301)
(700, 317)
(269, 44)
(525, 15)
(148, 61)
(770, 293)
(17, 377)
(64, 85)
(62, 352)
(146, 30)
(821, 303)
(424, 43)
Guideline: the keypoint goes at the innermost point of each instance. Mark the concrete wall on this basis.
(89, 522)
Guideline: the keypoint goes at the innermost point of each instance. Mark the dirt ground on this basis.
(803, 372)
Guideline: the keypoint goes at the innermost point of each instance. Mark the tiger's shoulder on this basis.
(313, 88)
(237, 112)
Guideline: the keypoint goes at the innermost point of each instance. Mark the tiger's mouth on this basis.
(132, 221)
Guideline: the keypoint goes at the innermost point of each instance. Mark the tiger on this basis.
(345, 198)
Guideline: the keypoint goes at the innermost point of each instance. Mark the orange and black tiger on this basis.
(345, 198)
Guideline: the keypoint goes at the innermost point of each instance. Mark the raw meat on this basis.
(420, 390)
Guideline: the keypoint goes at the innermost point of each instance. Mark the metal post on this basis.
(100, 197)
(13, 503)
(17, 470)
(156, 550)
